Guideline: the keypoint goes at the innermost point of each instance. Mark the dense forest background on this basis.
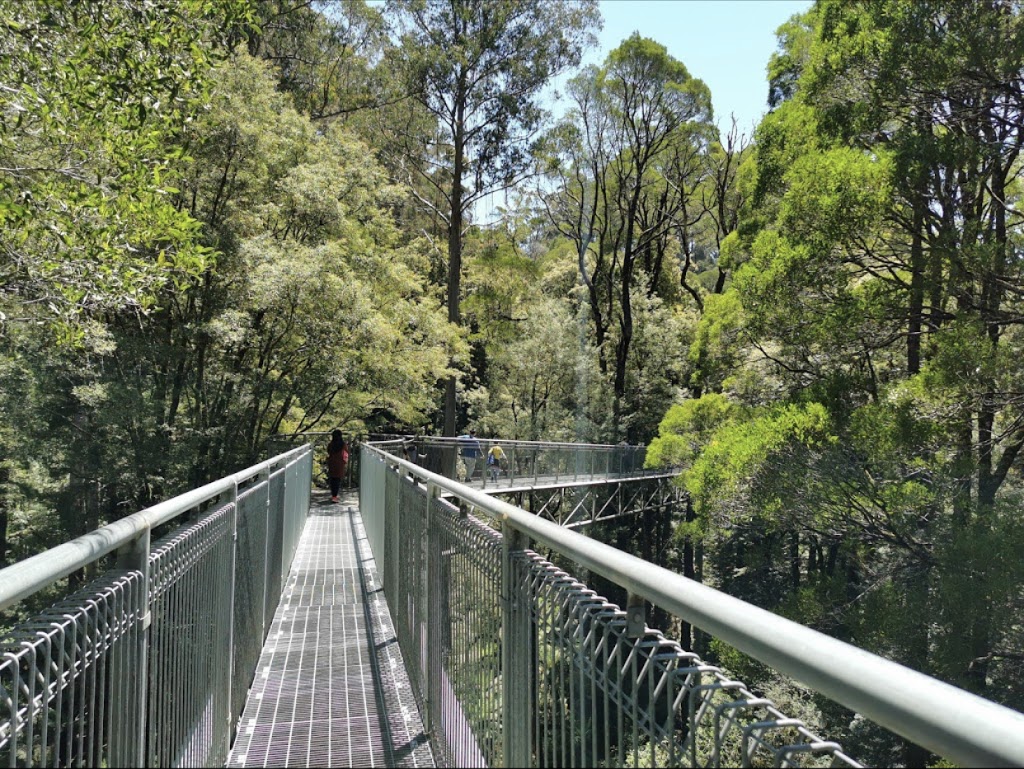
(228, 219)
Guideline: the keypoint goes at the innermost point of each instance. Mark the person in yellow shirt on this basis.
(495, 459)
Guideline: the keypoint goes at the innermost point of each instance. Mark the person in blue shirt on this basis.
(471, 451)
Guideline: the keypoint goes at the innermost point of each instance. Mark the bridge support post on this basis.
(516, 655)
(135, 557)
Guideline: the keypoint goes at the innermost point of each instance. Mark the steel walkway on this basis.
(331, 687)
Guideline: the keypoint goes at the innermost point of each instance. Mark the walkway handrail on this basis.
(148, 663)
(24, 578)
(942, 718)
(442, 440)
(540, 464)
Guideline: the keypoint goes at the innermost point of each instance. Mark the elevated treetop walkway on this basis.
(513, 659)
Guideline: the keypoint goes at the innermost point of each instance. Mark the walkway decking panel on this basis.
(331, 688)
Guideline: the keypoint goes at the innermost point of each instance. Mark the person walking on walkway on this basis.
(471, 451)
(495, 460)
(337, 462)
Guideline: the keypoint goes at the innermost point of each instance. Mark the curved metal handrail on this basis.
(938, 716)
(22, 579)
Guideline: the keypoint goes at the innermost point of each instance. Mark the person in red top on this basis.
(337, 462)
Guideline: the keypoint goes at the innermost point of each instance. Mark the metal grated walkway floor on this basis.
(331, 687)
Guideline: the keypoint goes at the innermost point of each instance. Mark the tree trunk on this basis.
(794, 559)
(690, 572)
(626, 324)
(917, 267)
(455, 245)
(4, 515)
(917, 591)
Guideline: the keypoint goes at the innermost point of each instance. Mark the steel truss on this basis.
(579, 504)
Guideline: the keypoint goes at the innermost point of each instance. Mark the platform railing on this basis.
(525, 463)
(517, 662)
(148, 664)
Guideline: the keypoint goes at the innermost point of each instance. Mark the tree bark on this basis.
(690, 572)
(455, 244)
(4, 515)
(917, 268)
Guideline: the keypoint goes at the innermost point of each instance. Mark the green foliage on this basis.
(824, 327)
(327, 56)
(864, 485)
(687, 428)
(786, 65)
(630, 158)
(781, 138)
(833, 197)
(743, 667)
(315, 313)
(716, 350)
(94, 97)
(462, 62)
(656, 365)
(737, 452)
(335, 317)
(499, 285)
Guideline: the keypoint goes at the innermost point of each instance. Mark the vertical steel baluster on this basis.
(64, 669)
(30, 701)
(516, 655)
(102, 633)
(47, 683)
(135, 557)
(86, 754)
(233, 502)
(429, 541)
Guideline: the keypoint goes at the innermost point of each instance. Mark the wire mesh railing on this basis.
(469, 460)
(518, 663)
(150, 662)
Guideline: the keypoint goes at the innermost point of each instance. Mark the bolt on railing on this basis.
(518, 663)
(149, 663)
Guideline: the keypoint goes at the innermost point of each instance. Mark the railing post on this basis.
(282, 514)
(392, 529)
(231, 600)
(135, 557)
(516, 656)
(424, 599)
(265, 474)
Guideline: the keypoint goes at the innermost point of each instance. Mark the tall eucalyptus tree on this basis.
(478, 67)
(626, 158)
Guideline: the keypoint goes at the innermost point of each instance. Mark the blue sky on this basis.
(725, 43)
